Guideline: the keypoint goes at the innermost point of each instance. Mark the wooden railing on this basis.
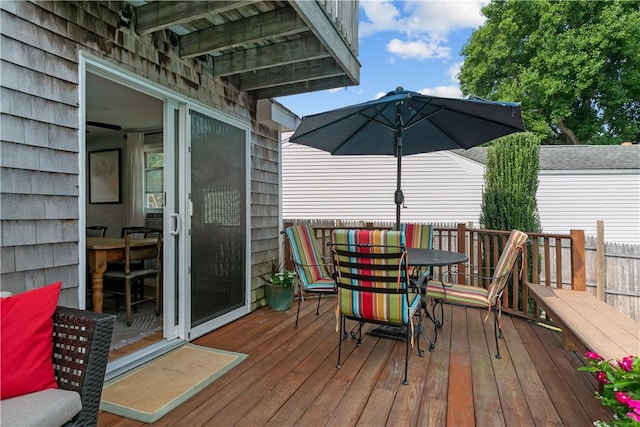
(555, 260)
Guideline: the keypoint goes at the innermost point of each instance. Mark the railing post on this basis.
(578, 270)
(462, 234)
(600, 263)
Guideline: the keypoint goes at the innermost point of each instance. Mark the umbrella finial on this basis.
(399, 89)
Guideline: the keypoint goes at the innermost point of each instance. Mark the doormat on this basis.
(150, 391)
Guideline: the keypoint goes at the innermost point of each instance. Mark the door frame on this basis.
(175, 335)
(219, 321)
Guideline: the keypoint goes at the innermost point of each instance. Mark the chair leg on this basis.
(437, 322)
(318, 307)
(418, 332)
(127, 291)
(298, 312)
(342, 327)
(496, 330)
(406, 356)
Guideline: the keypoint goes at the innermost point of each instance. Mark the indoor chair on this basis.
(477, 296)
(373, 284)
(309, 264)
(96, 230)
(128, 276)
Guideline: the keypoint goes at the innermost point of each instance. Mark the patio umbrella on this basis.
(404, 122)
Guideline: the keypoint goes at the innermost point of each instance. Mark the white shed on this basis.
(579, 185)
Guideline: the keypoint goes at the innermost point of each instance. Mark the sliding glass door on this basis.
(218, 225)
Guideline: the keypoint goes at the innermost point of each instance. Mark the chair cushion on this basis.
(418, 235)
(388, 308)
(26, 339)
(460, 294)
(505, 263)
(322, 285)
(306, 253)
(52, 407)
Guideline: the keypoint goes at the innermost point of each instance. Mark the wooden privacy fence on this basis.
(556, 260)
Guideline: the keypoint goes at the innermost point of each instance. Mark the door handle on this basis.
(176, 230)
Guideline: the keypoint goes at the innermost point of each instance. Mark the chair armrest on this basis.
(81, 341)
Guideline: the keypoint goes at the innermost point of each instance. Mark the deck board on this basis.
(290, 377)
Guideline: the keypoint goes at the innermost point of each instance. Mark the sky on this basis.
(413, 44)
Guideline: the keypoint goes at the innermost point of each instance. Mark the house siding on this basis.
(39, 114)
(445, 187)
(437, 187)
(579, 200)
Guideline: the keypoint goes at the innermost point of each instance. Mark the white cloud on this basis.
(451, 91)
(382, 16)
(442, 17)
(423, 24)
(417, 49)
(454, 71)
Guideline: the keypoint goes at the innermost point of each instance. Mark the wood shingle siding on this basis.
(41, 43)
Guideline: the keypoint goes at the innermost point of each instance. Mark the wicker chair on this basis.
(81, 341)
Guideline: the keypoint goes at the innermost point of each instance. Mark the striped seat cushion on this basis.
(418, 236)
(460, 294)
(477, 296)
(325, 284)
(307, 258)
(361, 304)
(505, 264)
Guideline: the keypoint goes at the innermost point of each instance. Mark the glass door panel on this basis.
(218, 182)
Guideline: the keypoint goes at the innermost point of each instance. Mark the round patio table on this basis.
(420, 258)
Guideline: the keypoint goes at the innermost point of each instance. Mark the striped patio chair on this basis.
(475, 296)
(310, 266)
(373, 283)
(418, 236)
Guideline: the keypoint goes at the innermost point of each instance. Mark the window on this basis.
(153, 181)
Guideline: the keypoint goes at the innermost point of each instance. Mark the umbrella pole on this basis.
(399, 196)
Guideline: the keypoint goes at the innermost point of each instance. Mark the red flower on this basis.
(626, 363)
(622, 397)
(601, 376)
(593, 355)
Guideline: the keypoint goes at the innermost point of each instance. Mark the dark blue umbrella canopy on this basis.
(405, 122)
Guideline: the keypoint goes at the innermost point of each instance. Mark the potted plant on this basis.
(619, 387)
(278, 286)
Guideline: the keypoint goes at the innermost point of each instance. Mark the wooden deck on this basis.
(290, 377)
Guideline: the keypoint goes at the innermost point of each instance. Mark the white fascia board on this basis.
(276, 115)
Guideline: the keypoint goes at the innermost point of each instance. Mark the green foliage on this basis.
(574, 65)
(620, 381)
(511, 182)
(273, 273)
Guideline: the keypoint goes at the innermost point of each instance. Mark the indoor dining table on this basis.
(103, 250)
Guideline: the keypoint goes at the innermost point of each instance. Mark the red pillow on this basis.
(26, 341)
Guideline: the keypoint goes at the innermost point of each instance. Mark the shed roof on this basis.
(575, 157)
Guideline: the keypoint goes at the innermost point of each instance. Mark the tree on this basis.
(574, 65)
(511, 183)
(509, 197)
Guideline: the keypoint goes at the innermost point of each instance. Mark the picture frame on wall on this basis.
(104, 176)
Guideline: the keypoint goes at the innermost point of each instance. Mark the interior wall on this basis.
(113, 215)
